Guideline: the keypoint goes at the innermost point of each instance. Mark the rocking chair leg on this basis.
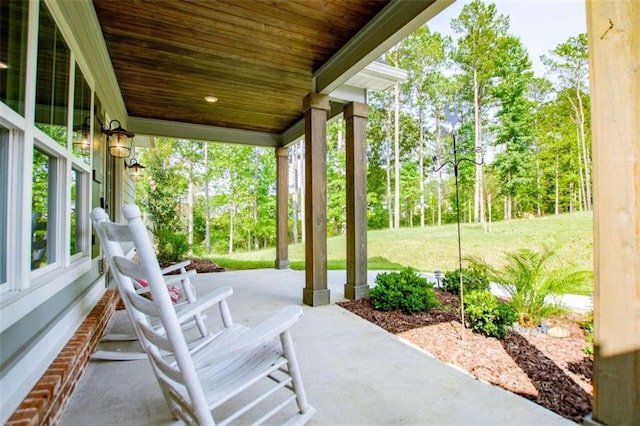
(290, 354)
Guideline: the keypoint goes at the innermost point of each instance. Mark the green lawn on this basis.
(432, 247)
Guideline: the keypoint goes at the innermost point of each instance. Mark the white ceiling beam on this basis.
(396, 21)
(175, 129)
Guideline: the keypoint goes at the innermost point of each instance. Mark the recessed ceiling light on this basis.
(211, 99)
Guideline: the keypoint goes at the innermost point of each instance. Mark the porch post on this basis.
(356, 287)
(282, 210)
(614, 60)
(315, 108)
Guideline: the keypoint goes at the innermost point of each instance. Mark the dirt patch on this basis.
(552, 372)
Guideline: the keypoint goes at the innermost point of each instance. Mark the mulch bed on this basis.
(202, 266)
(552, 372)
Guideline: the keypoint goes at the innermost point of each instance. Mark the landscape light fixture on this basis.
(119, 140)
(453, 117)
(83, 143)
(135, 169)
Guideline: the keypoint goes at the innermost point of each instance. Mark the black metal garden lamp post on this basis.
(453, 118)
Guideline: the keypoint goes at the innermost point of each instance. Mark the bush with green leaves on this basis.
(474, 278)
(529, 277)
(405, 290)
(486, 315)
(172, 246)
(587, 326)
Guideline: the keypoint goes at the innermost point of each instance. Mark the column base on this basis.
(313, 297)
(282, 264)
(355, 292)
(588, 421)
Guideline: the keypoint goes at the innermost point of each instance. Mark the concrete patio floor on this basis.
(354, 372)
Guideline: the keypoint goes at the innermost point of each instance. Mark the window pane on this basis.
(52, 83)
(4, 190)
(74, 208)
(81, 116)
(99, 152)
(42, 252)
(13, 50)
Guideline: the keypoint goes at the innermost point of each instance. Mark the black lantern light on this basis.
(119, 140)
(135, 169)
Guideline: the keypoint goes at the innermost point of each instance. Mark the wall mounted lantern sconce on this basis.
(83, 143)
(119, 140)
(136, 169)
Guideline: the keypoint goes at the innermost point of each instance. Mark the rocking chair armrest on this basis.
(170, 279)
(272, 327)
(175, 267)
(187, 311)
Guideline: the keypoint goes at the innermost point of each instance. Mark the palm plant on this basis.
(529, 278)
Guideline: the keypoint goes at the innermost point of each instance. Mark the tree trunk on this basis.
(207, 210)
(557, 185)
(478, 198)
(421, 165)
(396, 140)
(489, 207)
(232, 214)
(256, 168)
(580, 174)
(301, 172)
(586, 160)
(438, 159)
(388, 171)
(294, 202)
(190, 209)
(538, 187)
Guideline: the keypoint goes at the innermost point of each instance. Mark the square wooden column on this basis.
(315, 107)
(282, 208)
(614, 60)
(356, 287)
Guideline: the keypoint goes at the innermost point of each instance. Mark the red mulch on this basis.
(550, 371)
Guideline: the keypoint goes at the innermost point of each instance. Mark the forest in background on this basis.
(532, 135)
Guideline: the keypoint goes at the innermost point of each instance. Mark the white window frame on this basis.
(24, 289)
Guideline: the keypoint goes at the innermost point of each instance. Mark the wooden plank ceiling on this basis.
(257, 57)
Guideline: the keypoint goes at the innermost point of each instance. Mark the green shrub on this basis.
(404, 290)
(474, 278)
(529, 277)
(587, 326)
(486, 315)
(172, 246)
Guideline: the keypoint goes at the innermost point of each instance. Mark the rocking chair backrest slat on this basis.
(155, 337)
(167, 370)
(118, 232)
(129, 268)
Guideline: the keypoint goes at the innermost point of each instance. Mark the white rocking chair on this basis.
(111, 237)
(196, 382)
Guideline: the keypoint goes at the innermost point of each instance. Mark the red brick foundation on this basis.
(46, 402)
